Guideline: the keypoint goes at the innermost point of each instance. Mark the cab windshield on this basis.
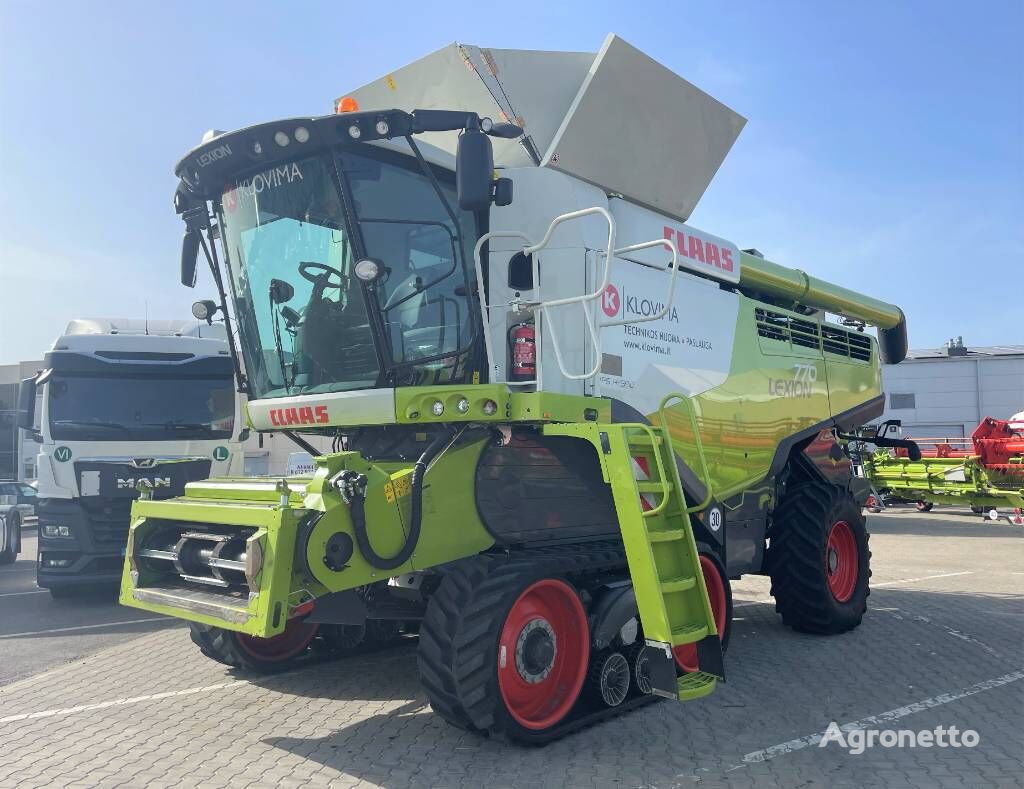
(292, 235)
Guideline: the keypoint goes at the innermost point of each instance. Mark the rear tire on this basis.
(250, 653)
(818, 559)
(504, 648)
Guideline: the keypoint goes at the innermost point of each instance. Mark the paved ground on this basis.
(941, 646)
(38, 633)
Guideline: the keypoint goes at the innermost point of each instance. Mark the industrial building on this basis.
(945, 392)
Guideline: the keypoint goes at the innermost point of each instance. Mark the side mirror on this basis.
(27, 404)
(474, 167)
(189, 257)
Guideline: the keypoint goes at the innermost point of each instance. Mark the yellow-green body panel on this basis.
(775, 390)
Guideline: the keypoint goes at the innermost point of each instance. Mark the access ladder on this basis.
(660, 549)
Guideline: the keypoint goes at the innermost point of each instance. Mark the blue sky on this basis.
(883, 149)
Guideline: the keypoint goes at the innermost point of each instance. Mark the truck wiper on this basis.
(88, 423)
(205, 428)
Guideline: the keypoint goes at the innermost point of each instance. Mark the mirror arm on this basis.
(211, 256)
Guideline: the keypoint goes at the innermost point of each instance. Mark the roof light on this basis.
(490, 407)
(355, 132)
(301, 134)
(486, 124)
(437, 409)
(347, 104)
(282, 138)
(382, 127)
(462, 405)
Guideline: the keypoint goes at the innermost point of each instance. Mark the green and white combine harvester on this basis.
(564, 418)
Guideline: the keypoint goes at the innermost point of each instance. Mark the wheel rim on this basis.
(289, 643)
(543, 653)
(686, 654)
(841, 561)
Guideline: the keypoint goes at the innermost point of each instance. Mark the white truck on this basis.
(124, 405)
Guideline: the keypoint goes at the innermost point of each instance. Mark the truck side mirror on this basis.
(189, 258)
(27, 404)
(474, 167)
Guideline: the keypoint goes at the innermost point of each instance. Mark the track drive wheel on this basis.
(819, 560)
(924, 506)
(504, 649)
(720, 596)
(251, 653)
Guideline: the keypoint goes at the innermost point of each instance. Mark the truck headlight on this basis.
(53, 531)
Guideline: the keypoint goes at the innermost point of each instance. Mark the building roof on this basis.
(970, 352)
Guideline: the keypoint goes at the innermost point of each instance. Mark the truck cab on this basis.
(123, 406)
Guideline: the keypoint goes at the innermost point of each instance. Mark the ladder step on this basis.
(667, 535)
(695, 685)
(680, 584)
(688, 634)
(651, 487)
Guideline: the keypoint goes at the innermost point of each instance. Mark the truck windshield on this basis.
(307, 324)
(140, 408)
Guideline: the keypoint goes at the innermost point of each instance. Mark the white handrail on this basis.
(539, 307)
(671, 283)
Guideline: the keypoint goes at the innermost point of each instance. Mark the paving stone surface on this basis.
(942, 645)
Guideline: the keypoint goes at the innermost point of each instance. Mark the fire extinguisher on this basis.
(522, 343)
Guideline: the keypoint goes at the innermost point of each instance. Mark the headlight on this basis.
(52, 531)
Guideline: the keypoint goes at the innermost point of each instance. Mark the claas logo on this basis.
(306, 415)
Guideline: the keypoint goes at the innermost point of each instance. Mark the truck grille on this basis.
(109, 521)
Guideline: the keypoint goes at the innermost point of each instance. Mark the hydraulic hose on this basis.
(358, 498)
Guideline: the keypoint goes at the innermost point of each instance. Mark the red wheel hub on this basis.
(543, 652)
(842, 564)
(686, 654)
(290, 642)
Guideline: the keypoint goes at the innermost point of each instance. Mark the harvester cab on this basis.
(564, 418)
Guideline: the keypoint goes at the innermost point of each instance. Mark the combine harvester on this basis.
(564, 417)
(984, 472)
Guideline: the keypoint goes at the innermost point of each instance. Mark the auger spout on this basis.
(763, 277)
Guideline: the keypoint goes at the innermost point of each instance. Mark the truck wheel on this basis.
(11, 539)
(251, 653)
(720, 596)
(978, 510)
(503, 649)
(818, 559)
(924, 506)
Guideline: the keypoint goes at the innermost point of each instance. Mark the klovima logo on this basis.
(611, 302)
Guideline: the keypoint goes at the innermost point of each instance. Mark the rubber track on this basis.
(796, 559)
(458, 636)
